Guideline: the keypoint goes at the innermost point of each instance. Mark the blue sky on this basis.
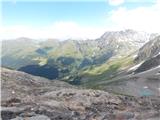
(96, 16)
(45, 13)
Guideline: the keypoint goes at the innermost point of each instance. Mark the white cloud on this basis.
(61, 30)
(115, 2)
(74, 30)
(141, 18)
(15, 31)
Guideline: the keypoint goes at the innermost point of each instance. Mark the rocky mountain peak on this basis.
(127, 35)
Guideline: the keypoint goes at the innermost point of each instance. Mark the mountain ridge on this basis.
(85, 63)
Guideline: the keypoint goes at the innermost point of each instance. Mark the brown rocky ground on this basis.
(26, 97)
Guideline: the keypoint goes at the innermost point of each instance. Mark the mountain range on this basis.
(88, 63)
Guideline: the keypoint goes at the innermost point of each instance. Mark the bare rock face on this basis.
(35, 98)
(149, 50)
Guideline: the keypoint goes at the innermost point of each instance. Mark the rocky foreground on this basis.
(26, 97)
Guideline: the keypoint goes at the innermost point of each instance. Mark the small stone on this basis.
(13, 92)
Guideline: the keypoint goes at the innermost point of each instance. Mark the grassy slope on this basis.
(107, 71)
(66, 49)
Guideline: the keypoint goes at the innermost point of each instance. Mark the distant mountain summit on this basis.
(122, 41)
(128, 35)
